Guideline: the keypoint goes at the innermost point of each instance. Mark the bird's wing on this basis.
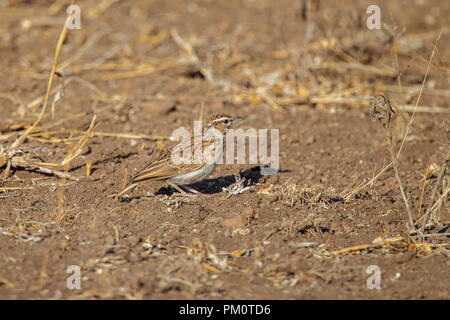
(163, 168)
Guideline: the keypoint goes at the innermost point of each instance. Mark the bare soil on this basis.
(279, 65)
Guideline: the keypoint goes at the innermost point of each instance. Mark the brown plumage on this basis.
(164, 168)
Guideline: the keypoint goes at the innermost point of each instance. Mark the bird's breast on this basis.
(195, 175)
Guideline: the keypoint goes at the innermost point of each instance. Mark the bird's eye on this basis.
(227, 121)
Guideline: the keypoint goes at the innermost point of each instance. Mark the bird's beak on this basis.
(237, 119)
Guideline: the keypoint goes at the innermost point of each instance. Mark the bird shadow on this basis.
(216, 185)
(248, 178)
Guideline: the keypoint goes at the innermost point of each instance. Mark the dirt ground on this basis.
(144, 68)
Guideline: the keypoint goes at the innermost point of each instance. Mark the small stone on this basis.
(236, 221)
(274, 179)
(160, 108)
(271, 197)
(310, 140)
(248, 212)
(132, 257)
(404, 257)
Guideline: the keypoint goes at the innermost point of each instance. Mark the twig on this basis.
(62, 36)
(187, 48)
(37, 101)
(435, 205)
(79, 146)
(420, 94)
(379, 243)
(89, 42)
(16, 162)
(345, 66)
(381, 110)
(433, 193)
(395, 165)
(423, 190)
(359, 188)
(61, 198)
(432, 235)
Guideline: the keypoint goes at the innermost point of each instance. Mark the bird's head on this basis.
(222, 122)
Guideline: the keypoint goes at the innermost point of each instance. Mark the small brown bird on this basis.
(182, 174)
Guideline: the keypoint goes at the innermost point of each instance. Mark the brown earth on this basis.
(307, 72)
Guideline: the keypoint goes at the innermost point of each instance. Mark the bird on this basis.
(164, 168)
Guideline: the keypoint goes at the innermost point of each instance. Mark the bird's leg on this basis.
(195, 191)
(179, 189)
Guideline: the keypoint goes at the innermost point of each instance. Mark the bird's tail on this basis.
(128, 187)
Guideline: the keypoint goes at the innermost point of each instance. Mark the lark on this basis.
(180, 175)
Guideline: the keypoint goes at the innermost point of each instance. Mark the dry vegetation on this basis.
(84, 109)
